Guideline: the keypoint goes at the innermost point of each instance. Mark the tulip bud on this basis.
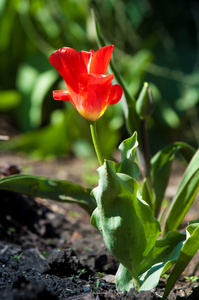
(145, 102)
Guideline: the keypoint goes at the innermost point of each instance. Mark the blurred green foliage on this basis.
(155, 41)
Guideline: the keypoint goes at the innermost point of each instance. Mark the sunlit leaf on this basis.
(127, 164)
(123, 219)
(189, 249)
(49, 188)
(163, 255)
(161, 168)
(185, 195)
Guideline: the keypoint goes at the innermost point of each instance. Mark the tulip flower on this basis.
(89, 89)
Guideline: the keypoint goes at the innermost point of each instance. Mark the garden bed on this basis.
(50, 251)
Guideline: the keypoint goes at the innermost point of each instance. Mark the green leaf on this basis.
(148, 194)
(161, 168)
(185, 195)
(189, 249)
(49, 188)
(123, 279)
(123, 218)
(127, 164)
(160, 259)
(157, 262)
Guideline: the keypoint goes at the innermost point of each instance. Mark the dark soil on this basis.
(50, 251)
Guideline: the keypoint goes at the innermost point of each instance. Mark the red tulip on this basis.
(89, 89)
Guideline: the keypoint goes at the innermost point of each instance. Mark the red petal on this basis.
(116, 94)
(86, 56)
(100, 60)
(94, 95)
(98, 81)
(61, 95)
(70, 64)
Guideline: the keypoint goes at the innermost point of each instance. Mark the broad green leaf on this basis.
(123, 279)
(189, 249)
(49, 188)
(157, 262)
(127, 164)
(164, 250)
(160, 259)
(123, 218)
(185, 195)
(150, 279)
(161, 168)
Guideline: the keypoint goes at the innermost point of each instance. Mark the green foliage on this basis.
(59, 190)
(127, 164)
(33, 83)
(188, 250)
(56, 139)
(163, 255)
(124, 212)
(185, 195)
(42, 27)
(118, 207)
(126, 222)
(9, 100)
(17, 257)
(151, 48)
(31, 31)
(191, 278)
(41, 143)
(161, 169)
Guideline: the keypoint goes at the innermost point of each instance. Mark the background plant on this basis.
(148, 47)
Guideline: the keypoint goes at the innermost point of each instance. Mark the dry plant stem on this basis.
(146, 151)
(96, 142)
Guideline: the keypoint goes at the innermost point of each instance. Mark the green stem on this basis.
(146, 151)
(136, 282)
(96, 143)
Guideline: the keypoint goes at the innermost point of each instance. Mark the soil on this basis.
(49, 250)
